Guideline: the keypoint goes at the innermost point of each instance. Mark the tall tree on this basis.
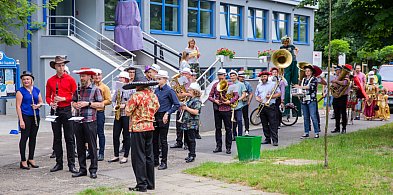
(14, 16)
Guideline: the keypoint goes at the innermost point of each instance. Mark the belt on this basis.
(63, 108)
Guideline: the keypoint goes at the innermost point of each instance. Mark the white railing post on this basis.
(68, 26)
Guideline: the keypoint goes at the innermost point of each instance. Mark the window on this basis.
(256, 24)
(300, 29)
(110, 9)
(279, 26)
(165, 16)
(200, 18)
(230, 21)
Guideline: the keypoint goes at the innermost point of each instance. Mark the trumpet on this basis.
(78, 98)
(32, 106)
(182, 111)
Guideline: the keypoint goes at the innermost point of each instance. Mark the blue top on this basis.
(167, 99)
(249, 90)
(240, 89)
(263, 89)
(27, 102)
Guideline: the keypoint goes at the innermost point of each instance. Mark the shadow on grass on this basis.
(359, 163)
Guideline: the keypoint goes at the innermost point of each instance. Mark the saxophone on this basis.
(117, 107)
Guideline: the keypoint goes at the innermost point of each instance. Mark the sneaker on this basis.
(304, 136)
(246, 132)
(316, 136)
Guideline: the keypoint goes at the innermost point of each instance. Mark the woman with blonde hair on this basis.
(28, 102)
(194, 54)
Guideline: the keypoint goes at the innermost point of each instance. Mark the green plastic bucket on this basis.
(248, 147)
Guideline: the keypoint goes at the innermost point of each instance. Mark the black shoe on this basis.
(79, 174)
(228, 151)
(185, 147)
(266, 142)
(275, 144)
(316, 136)
(162, 166)
(23, 167)
(93, 175)
(150, 187)
(72, 169)
(197, 136)
(176, 145)
(335, 131)
(234, 138)
(305, 136)
(344, 131)
(100, 157)
(53, 155)
(217, 150)
(156, 163)
(57, 167)
(87, 155)
(32, 165)
(138, 189)
(115, 159)
(190, 159)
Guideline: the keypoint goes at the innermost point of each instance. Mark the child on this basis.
(184, 61)
(190, 120)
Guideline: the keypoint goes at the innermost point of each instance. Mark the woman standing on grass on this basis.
(28, 102)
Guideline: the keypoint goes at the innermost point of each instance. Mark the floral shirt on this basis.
(191, 121)
(141, 108)
(311, 93)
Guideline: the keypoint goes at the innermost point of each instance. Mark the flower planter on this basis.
(223, 58)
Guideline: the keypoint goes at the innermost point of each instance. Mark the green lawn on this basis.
(359, 163)
(106, 191)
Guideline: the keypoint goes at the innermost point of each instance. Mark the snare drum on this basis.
(297, 92)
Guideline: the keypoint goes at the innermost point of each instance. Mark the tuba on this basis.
(339, 90)
(222, 87)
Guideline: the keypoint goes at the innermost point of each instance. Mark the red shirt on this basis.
(66, 85)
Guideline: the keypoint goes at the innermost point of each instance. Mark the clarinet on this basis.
(32, 106)
(78, 97)
(53, 111)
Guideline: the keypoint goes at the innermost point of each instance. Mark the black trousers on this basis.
(225, 116)
(142, 158)
(121, 126)
(340, 111)
(279, 114)
(189, 138)
(62, 122)
(86, 133)
(160, 138)
(246, 118)
(179, 132)
(269, 123)
(29, 133)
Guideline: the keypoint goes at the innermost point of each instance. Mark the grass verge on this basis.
(104, 191)
(359, 163)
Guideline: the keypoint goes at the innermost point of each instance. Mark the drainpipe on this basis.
(29, 48)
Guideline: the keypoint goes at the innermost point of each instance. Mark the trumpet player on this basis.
(265, 94)
(222, 112)
(122, 121)
(309, 102)
(238, 114)
(169, 103)
(28, 102)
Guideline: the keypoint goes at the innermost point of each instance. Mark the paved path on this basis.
(171, 181)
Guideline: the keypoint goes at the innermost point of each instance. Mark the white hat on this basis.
(371, 73)
(162, 74)
(186, 70)
(98, 71)
(241, 73)
(155, 67)
(66, 69)
(124, 74)
(233, 72)
(222, 71)
(195, 86)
